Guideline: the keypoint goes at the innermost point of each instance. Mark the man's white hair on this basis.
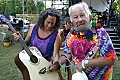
(84, 6)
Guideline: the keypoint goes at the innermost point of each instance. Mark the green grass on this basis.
(9, 71)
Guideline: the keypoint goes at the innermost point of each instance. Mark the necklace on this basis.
(88, 34)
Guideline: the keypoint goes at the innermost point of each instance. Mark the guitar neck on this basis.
(21, 40)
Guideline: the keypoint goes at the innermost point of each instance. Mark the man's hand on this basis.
(79, 67)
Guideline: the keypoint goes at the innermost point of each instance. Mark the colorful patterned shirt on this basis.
(80, 46)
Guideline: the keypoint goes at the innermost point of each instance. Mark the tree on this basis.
(13, 7)
(116, 6)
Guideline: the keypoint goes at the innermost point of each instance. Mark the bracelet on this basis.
(83, 65)
(86, 63)
(64, 56)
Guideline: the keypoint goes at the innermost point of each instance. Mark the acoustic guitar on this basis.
(30, 61)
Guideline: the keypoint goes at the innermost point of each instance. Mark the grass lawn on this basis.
(9, 71)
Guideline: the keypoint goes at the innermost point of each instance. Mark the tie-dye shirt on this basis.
(80, 46)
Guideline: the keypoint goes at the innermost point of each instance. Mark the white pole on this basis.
(23, 16)
(45, 4)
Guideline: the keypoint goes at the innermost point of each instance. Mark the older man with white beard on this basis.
(83, 42)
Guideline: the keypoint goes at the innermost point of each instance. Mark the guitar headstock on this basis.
(3, 18)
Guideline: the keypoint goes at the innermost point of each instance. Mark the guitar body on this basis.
(34, 68)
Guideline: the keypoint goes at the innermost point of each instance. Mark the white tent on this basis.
(99, 5)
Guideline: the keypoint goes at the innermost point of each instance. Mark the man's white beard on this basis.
(82, 29)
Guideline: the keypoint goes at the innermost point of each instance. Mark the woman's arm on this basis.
(56, 54)
(28, 37)
(56, 51)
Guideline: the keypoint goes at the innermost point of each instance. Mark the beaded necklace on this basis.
(88, 34)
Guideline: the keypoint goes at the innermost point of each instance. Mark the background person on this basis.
(66, 30)
(105, 16)
(82, 39)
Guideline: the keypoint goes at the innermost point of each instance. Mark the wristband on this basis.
(83, 65)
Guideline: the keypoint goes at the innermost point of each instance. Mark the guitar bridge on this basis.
(43, 70)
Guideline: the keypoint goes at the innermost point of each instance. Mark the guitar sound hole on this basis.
(33, 59)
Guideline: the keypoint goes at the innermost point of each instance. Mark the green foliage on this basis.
(13, 7)
(116, 6)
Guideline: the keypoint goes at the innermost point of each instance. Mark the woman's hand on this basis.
(53, 67)
(16, 36)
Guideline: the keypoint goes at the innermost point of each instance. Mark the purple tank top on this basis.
(45, 45)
